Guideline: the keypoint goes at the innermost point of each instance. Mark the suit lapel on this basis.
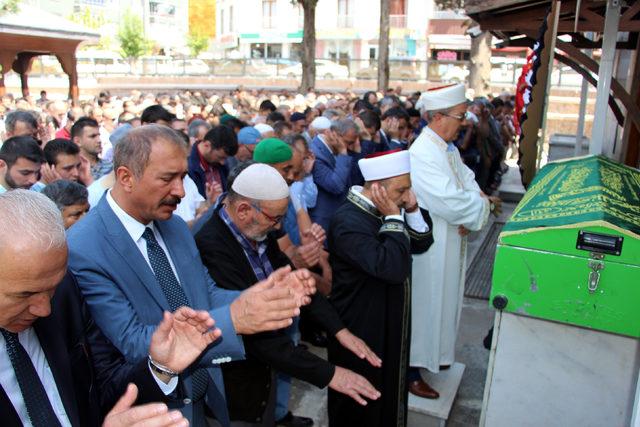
(122, 242)
(327, 154)
(56, 353)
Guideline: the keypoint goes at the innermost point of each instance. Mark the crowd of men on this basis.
(338, 217)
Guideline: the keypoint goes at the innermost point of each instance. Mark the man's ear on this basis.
(243, 210)
(3, 165)
(125, 178)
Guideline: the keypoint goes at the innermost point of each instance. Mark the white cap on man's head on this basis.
(385, 165)
(263, 128)
(441, 98)
(261, 182)
(320, 123)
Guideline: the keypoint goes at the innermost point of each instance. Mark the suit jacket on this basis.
(89, 373)
(127, 302)
(248, 382)
(197, 174)
(332, 175)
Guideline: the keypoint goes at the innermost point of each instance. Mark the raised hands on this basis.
(181, 337)
(48, 173)
(124, 414)
(381, 200)
(354, 385)
(358, 347)
(272, 303)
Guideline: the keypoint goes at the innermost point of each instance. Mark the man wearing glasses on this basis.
(237, 246)
(447, 189)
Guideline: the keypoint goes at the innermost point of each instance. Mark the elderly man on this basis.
(20, 123)
(56, 367)
(446, 187)
(134, 260)
(238, 248)
(20, 160)
(371, 243)
(331, 173)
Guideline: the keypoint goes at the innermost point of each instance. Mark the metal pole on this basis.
(584, 94)
(605, 73)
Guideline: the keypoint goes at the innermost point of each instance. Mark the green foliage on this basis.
(88, 19)
(197, 43)
(133, 44)
(9, 6)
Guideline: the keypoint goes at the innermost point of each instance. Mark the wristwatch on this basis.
(162, 370)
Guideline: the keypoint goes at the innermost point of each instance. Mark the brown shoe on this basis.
(422, 389)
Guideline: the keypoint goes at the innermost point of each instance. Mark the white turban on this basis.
(442, 98)
(385, 165)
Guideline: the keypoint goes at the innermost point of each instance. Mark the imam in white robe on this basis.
(447, 189)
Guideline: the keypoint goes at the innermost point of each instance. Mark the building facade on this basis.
(345, 29)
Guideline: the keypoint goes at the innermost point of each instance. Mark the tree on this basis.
(480, 64)
(133, 43)
(383, 47)
(9, 6)
(308, 44)
(197, 43)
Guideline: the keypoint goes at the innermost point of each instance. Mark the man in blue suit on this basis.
(133, 260)
(331, 173)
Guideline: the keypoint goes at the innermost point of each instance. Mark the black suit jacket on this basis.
(89, 374)
(247, 382)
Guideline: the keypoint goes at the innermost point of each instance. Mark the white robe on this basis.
(447, 188)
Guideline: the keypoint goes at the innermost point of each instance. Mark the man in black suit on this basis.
(238, 248)
(56, 368)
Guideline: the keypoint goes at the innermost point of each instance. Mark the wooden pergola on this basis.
(32, 32)
(576, 27)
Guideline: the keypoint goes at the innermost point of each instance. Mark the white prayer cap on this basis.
(321, 123)
(228, 108)
(261, 182)
(385, 165)
(263, 128)
(441, 98)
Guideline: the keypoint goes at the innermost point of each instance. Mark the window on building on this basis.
(268, 13)
(345, 20)
(222, 21)
(231, 19)
(397, 14)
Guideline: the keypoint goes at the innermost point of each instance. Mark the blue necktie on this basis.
(175, 296)
(34, 395)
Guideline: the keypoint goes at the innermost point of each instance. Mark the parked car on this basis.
(405, 70)
(325, 69)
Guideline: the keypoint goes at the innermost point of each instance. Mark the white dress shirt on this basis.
(9, 382)
(191, 201)
(135, 230)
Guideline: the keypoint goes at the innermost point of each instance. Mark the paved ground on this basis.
(476, 319)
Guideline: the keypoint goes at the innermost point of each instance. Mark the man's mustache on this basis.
(171, 201)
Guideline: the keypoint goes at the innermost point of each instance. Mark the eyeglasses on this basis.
(275, 219)
(458, 117)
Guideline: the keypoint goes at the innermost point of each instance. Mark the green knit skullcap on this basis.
(272, 150)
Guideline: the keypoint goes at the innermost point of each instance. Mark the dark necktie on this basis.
(34, 395)
(175, 296)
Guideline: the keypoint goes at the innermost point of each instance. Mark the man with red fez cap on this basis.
(447, 188)
(371, 239)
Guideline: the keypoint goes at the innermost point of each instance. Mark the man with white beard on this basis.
(447, 189)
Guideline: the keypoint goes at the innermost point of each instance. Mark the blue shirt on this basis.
(257, 255)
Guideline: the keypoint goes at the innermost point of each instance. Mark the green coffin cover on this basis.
(540, 272)
(591, 189)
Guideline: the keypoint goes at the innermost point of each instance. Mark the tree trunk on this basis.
(308, 46)
(383, 47)
(480, 64)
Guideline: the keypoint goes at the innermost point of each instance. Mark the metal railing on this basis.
(504, 72)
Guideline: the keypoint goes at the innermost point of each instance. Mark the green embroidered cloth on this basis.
(582, 190)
